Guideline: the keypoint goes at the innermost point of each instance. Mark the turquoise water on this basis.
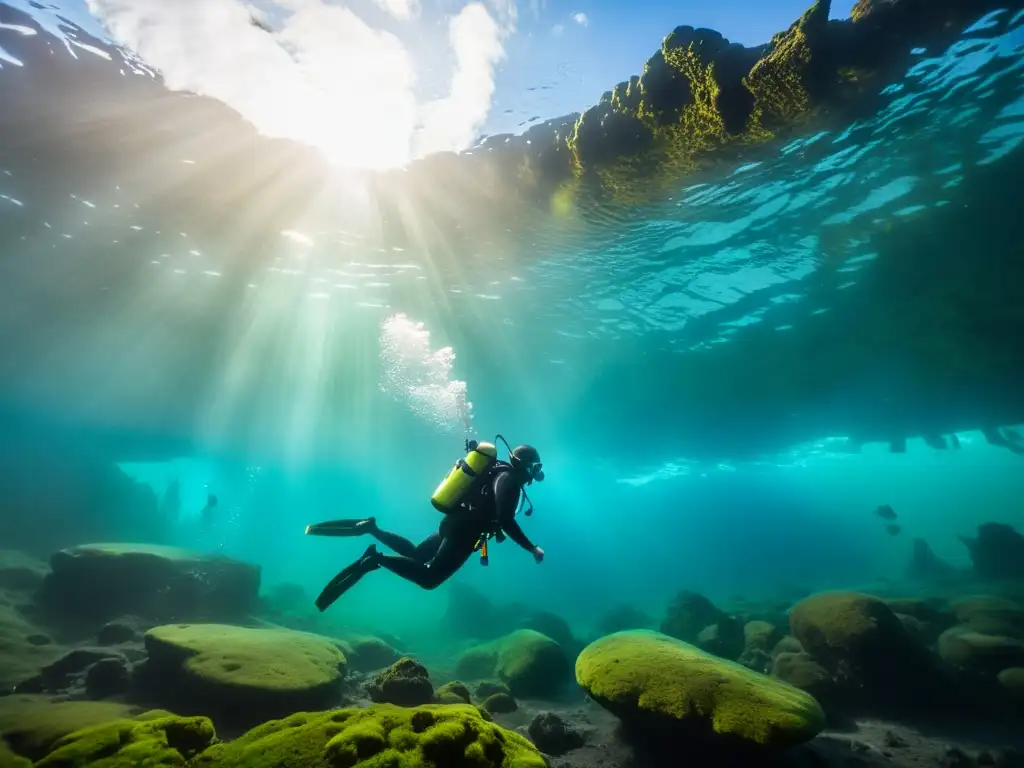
(201, 303)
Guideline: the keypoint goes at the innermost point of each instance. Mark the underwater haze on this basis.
(759, 309)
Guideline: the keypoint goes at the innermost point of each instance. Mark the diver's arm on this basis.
(506, 497)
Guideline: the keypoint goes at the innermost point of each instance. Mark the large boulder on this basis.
(239, 673)
(875, 661)
(432, 736)
(97, 582)
(647, 678)
(532, 664)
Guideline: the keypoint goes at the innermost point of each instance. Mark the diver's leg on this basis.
(402, 546)
(452, 553)
(348, 577)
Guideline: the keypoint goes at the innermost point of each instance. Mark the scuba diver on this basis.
(479, 498)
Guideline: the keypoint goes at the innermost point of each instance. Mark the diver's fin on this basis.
(935, 441)
(899, 445)
(347, 578)
(355, 527)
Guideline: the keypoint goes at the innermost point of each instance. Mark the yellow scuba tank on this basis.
(464, 475)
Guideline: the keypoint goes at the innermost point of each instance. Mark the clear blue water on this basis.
(218, 308)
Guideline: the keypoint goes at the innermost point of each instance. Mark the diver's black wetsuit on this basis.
(436, 559)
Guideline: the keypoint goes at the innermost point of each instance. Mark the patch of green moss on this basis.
(381, 736)
(30, 725)
(849, 624)
(453, 693)
(531, 664)
(645, 674)
(10, 760)
(166, 741)
(270, 660)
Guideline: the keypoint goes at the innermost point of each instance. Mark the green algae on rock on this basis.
(164, 741)
(268, 671)
(963, 647)
(454, 692)
(430, 736)
(531, 664)
(405, 683)
(848, 629)
(31, 724)
(645, 676)
(10, 760)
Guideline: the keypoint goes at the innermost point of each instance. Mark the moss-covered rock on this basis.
(500, 703)
(432, 736)
(863, 645)
(366, 653)
(787, 644)
(255, 673)
(531, 664)
(990, 615)
(962, 647)
(643, 676)
(30, 725)
(803, 672)
(761, 635)
(405, 683)
(453, 692)
(163, 741)
(553, 626)
(490, 687)
(98, 582)
(688, 614)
